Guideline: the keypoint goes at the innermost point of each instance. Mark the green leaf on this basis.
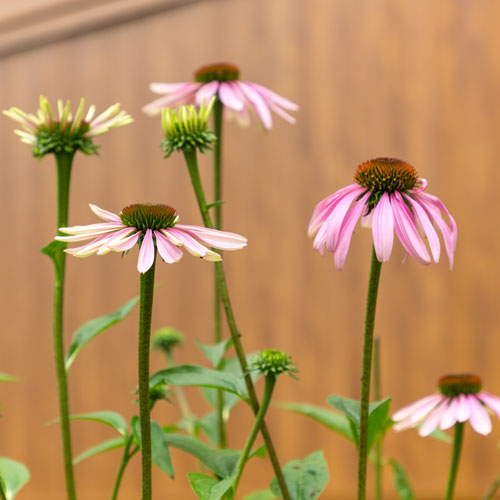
(209, 424)
(215, 352)
(334, 421)
(93, 328)
(5, 377)
(160, 453)
(110, 444)
(13, 476)
(194, 375)
(209, 488)
(401, 483)
(378, 412)
(441, 436)
(114, 420)
(261, 495)
(306, 479)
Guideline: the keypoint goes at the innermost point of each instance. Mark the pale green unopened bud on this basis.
(165, 339)
(273, 362)
(186, 129)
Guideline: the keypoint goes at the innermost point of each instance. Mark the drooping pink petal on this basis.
(493, 402)
(223, 240)
(104, 214)
(286, 116)
(432, 421)
(383, 228)
(420, 412)
(206, 92)
(146, 253)
(479, 418)
(125, 244)
(409, 410)
(258, 104)
(276, 98)
(450, 416)
(168, 88)
(463, 408)
(434, 207)
(428, 228)
(167, 250)
(90, 248)
(183, 96)
(80, 233)
(346, 230)
(191, 245)
(117, 239)
(229, 97)
(406, 230)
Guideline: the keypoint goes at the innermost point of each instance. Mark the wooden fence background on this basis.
(415, 80)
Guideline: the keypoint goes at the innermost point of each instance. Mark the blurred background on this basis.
(413, 80)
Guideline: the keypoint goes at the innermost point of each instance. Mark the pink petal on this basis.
(413, 414)
(383, 228)
(80, 233)
(146, 253)
(127, 243)
(479, 418)
(493, 402)
(463, 409)
(206, 92)
(430, 232)
(120, 236)
(215, 238)
(90, 248)
(450, 416)
(183, 96)
(433, 420)
(276, 98)
(410, 409)
(286, 116)
(104, 214)
(167, 250)
(406, 230)
(168, 88)
(346, 230)
(258, 103)
(229, 97)
(191, 245)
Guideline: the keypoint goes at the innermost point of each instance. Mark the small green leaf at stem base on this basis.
(93, 328)
(13, 476)
(401, 483)
(306, 478)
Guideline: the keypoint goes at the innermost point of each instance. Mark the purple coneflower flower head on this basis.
(239, 97)
(389, 197)
(65, 133)
(460, 398)
(153, 227)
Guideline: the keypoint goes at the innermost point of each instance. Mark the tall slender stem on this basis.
(64, 162)
(377, 386)
(194, 173)
(455, 458)
(217, 193)
(371, 305)
(125, 459)
(264, 405)
(145, 314)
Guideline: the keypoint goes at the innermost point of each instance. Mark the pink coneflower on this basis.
(460, 399)
(238, 96)
(152, 226)
(389, 197)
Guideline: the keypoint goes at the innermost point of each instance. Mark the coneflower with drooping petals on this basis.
(47, 133)
(152, 227)
(241, 98)
(461, 398)
(389, 196)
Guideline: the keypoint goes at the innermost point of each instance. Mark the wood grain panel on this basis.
(417, 81)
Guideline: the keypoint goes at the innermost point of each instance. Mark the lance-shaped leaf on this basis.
(209, 488)
(306, 478)
(110, 444)
(93, 328)
(215, 352)
(13, 476)
(199, 376)
(114, 420)
(401, 482)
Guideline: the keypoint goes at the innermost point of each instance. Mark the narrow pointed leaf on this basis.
(110, 444)
(334, 421)
(215, 352)
(53, 250)
(401, 482)
(94, 327)
(114, 420)
(306, 478)
(209, 488)
(13, 476)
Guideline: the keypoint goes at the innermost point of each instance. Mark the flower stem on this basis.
(455, 457)
(145, 313)
(377, 386)
(64, 163)
(217, 193)
(264, 405)
(371, 305)
(192, 164)
(125, 459)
